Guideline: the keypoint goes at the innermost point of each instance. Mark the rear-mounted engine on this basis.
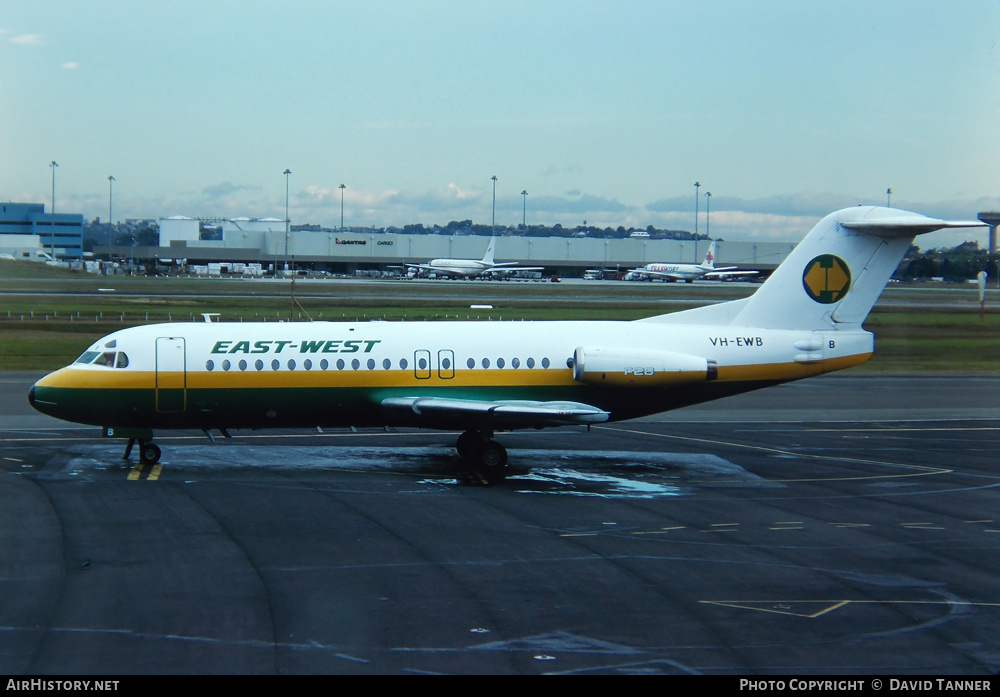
(618, 368)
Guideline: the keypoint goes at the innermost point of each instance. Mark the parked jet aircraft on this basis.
(688, 272)
(484, 377)
(470, 268)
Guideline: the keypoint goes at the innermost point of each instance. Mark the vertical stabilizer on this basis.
(488, 259)
(709, 263)
(834, 276)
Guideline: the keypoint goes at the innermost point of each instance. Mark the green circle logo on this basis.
(826, 279)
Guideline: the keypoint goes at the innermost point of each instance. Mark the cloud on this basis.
(781, 218)
(802, 204)
(462, 194)
(226, 189)
(70, 65)
(578, 203)
(26, 39)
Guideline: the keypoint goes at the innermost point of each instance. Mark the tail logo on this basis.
(826, 279)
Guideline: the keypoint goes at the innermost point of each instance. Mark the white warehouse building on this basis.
(264, 241)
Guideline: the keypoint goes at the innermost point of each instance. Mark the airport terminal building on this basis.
(28, 232)
(265, 242)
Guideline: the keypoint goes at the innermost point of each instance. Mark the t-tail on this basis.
(833, 278)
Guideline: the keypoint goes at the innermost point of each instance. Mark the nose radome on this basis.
(37, 401)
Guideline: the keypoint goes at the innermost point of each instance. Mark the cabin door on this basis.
(171, 375)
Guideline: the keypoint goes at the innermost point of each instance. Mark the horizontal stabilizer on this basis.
(906, 225)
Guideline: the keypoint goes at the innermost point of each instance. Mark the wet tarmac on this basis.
(842, 525)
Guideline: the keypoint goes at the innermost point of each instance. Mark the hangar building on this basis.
(349, 250)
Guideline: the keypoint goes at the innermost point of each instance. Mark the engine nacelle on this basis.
(640, 368)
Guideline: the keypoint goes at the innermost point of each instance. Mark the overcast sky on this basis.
(604, 111)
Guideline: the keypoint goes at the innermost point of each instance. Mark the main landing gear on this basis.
(149, 453)
(484, 456)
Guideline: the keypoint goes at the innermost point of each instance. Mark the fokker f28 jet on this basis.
(689, 272)
(470, 268)
(485, 377)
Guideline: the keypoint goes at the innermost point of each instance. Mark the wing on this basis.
(663, 274)
(446, 413)
(515, 269)
(727, 274)
(440, 271)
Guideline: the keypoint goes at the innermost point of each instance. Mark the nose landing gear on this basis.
(149, 453)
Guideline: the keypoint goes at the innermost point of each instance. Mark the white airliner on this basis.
(484, 377)
(470, 268)
(689, 272)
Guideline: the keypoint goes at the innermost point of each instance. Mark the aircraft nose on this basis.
(37, 399)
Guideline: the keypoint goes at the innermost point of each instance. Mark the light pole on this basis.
(696, 185)
(708, 213)
(286, 173)
(494, 223)
(524, 207)
(52, 213)
(888, 197)
(342, 187)
(110, 180)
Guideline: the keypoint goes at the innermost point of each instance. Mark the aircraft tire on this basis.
(493, 460)
(149, 453)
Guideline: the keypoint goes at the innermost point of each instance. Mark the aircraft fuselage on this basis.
(329, 374)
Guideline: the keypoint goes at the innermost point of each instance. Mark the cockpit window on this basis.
(110, 359)
(88, 357)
